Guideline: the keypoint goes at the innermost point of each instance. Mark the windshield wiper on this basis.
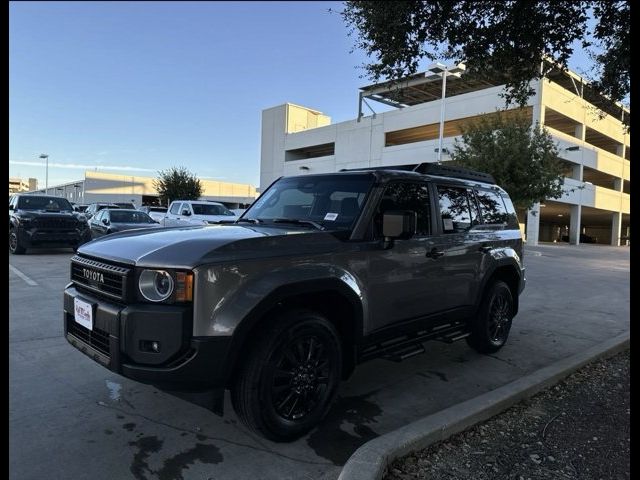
(249, 220)
(297, 221)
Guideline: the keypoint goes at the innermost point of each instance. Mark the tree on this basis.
(523, 159)
(177, 183)
(506, 39)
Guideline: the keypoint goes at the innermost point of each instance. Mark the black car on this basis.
(94, 208)
(109, 221)
(44, 220)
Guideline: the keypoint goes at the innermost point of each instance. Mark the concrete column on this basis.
(577, 172)
(580, 131)
(620, 150)
(574, 224)
(533, 225)
(618, 184)
(616, 228)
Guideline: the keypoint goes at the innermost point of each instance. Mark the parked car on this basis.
(196, 212)
(321, 273)
(109, 220)
(44, 221)
(157, 213)
(96, 207)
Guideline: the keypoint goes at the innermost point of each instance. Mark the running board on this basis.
(407, 346)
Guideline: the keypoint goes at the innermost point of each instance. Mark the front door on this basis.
(404, 280)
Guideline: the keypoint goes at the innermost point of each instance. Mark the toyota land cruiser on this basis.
(321, 273)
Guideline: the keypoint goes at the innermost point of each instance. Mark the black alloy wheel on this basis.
(14, 244)
(491, 326)
(290, 378)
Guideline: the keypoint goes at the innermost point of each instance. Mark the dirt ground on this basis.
(578, 429)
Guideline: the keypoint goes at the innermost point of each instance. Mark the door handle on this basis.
(434, 253)
(485, 248)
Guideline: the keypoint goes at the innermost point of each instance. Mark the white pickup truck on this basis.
(197, 212)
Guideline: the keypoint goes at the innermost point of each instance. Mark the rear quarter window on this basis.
(496, 209)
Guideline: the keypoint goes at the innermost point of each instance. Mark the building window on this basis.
(313, 151)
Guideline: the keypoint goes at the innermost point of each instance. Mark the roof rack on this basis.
(408, 168)
(453, 171)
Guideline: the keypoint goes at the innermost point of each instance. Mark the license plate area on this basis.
(83, 313)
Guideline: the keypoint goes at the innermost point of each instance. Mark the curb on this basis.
(370, 461)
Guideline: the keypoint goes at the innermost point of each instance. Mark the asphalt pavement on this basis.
(71, 418)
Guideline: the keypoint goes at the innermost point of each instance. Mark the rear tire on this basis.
(14, 243)
(291, 377)
(490, 328)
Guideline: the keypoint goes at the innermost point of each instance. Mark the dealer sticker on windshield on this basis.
(331, 217)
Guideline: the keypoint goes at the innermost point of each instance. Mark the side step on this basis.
(404, 352)
(409, 345)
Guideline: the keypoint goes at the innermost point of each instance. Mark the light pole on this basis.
(444, 71)
(46, 178)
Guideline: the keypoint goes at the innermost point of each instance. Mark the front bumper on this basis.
(32, 237)
(121, 334)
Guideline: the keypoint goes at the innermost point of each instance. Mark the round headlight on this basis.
(155, 285)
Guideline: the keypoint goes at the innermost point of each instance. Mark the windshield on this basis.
(43, 203)
(211, 209)
(124, 216)
(334, 201)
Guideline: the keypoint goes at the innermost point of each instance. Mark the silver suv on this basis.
(197, 212)
(321, 273)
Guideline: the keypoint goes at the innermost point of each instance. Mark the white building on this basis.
(109, 187)
(298, 140)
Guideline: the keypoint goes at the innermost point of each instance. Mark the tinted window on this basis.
(99, 215)
(454, 209)
(127, 216)
(210, 209)
(30, 202)
(406, 196)
(333, 200)
(175, 209)
(492, 207)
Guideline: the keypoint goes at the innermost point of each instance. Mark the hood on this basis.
(49, 214)
(187, 247)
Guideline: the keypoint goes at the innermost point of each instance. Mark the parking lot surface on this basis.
(71, 418)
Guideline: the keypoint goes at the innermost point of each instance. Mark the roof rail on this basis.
(453, 171)
(408, 168)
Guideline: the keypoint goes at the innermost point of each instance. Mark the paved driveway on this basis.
(71, 418)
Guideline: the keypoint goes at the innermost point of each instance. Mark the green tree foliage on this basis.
(523, 160)
(177, 183)
(504, 39)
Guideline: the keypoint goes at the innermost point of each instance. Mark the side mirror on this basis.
(186, 213)
(105, 221)
(399, 224)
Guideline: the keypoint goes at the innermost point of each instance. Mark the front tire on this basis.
(14, 243)
(288, 382)
(490, 328)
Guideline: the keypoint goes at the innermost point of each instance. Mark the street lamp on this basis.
(46, 178)
(444, 71)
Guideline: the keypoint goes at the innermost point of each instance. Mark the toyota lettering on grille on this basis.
(93, 275)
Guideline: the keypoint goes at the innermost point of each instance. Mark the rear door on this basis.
(462, 239)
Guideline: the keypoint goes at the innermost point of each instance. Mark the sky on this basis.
(138, 87)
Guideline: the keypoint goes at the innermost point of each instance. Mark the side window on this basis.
(185, 206)
(98, 216)
(406, 196)
(492, 207)
(175, 208)
(512, 218)
(454, 209)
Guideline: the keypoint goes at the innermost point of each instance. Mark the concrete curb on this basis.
(371, 459)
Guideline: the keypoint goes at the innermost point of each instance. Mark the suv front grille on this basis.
(53, 223)
(102, 278)
(98, 339)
